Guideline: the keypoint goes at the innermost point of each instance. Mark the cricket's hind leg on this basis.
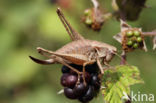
(44, 52)
(73, 69)
(74, 35)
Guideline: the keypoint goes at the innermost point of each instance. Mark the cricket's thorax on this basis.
(102, 45)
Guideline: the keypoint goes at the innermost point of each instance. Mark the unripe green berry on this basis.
(139, 39)
(129, 33)
(88, 21)
(129, 43)
(136, 33)
(135, 45)
(87, 12)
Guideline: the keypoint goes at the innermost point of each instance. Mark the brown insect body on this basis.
(80, 51)
(84, 46)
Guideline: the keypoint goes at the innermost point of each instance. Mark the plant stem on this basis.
(153, 33)
(123, 58)
(95, 4)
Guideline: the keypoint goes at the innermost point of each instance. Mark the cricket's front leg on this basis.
(100, 66)
(107, 66)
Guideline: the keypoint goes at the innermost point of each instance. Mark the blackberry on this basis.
(77, 90)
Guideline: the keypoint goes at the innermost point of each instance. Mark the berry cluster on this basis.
(74, 85)
(132, 40)
(91, 20)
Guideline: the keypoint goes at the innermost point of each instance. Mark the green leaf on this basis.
(117, 81)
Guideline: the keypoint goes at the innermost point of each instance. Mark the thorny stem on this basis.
(123, 58)
(153, 33)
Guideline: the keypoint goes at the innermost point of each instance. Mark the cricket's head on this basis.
(106, 54)
(110, 52)
(109, 55)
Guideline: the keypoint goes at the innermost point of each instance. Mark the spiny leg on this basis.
(109, 66)
(103, 68)
(74, 35)
(84, 80)
(41, 51)
(74, 58)
(67, 26)
(100, 66)
(73, 69)
(86, 63)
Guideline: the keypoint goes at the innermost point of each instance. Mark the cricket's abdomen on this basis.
(76, 47)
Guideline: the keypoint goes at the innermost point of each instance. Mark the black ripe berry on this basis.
(69, 93)
(95, 81)
(65, 69)
(80, 89)
(88, 95)
(71, 80)
(68, 80)
(75, 89)
(63, 79)
(78, 67)
(92, 68)
(87, 77)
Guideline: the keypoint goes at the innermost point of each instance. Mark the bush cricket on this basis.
(80, 51)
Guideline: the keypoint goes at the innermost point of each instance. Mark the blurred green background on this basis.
(27, 24)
